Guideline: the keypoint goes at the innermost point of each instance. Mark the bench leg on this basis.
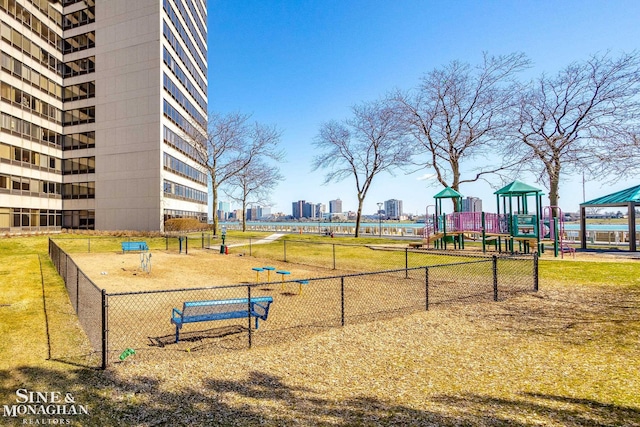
(257, 318)
(177, 333)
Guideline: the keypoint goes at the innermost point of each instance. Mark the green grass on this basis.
(565, 356)
(592, 274)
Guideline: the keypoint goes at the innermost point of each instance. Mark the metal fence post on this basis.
(249, 311)
(495, 278)
(406, 263)
(202, 241)
(186, 245)
(342, 299)
(77, 291)
(535, 272)
(66, 271)
(166, 242)
(426, 287)
(105, 345)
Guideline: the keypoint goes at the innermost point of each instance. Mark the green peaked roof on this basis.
(620, 198)
(517, 188)
(448, 193)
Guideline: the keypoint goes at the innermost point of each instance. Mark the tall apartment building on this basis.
(297, 209)
(335, 206)
(304, 209)
(224, 210)
(472, 204)
(96, 98)
(393, 209)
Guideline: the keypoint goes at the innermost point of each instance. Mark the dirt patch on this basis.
(118, 272)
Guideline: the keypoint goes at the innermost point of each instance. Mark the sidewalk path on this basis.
(267, 239)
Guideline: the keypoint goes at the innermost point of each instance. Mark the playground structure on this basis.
(145, 262)
(513, 229)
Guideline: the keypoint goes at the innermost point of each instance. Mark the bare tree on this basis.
(361, 147)
(230, 144)
(582, 120)
(253, 184)
(459, 114)
(626, 160)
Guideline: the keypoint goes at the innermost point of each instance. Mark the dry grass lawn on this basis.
(565, 356)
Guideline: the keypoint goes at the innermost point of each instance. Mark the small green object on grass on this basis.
(128, 352)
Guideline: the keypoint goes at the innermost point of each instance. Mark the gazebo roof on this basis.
(517, 188)
(448, 193)
(620, 198)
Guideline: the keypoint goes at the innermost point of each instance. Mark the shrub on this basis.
(184, 224)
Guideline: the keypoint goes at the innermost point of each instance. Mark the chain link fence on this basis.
(86, 298)
(419, 281)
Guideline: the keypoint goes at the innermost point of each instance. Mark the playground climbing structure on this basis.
(512, 229)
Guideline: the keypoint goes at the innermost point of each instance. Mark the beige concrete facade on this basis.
(146, 77)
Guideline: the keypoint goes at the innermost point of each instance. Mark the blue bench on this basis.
(134, 246)
(205, 311)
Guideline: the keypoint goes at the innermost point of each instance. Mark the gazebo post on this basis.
(583, 227)
(632, 227)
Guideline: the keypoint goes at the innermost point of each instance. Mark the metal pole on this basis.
(285, 250)
(104, 329)
(406, 263)
(342, 299)
(535, 272)
(77, 291)
(426, 287)
(495, 278)
(249, 311)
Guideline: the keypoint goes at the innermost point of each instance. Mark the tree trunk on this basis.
(359, 216)
(214, 192)
(553, 192)
(244, 215)
(554, 185)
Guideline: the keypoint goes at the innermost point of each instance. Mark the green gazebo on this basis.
(629, 198)
(448, 193)
(522, 224)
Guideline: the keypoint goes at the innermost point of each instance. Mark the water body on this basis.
(410, 228)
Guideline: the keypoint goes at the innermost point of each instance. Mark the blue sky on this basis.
(297, 64)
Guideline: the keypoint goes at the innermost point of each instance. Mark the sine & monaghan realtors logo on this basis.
(44, 407)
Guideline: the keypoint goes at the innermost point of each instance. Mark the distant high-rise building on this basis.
(296, 209)
(472, 204)
(335, 206)
(393, 208)
(224, 210)
(308, 210)
(320, 210)
(94, 97)
(254, 213)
